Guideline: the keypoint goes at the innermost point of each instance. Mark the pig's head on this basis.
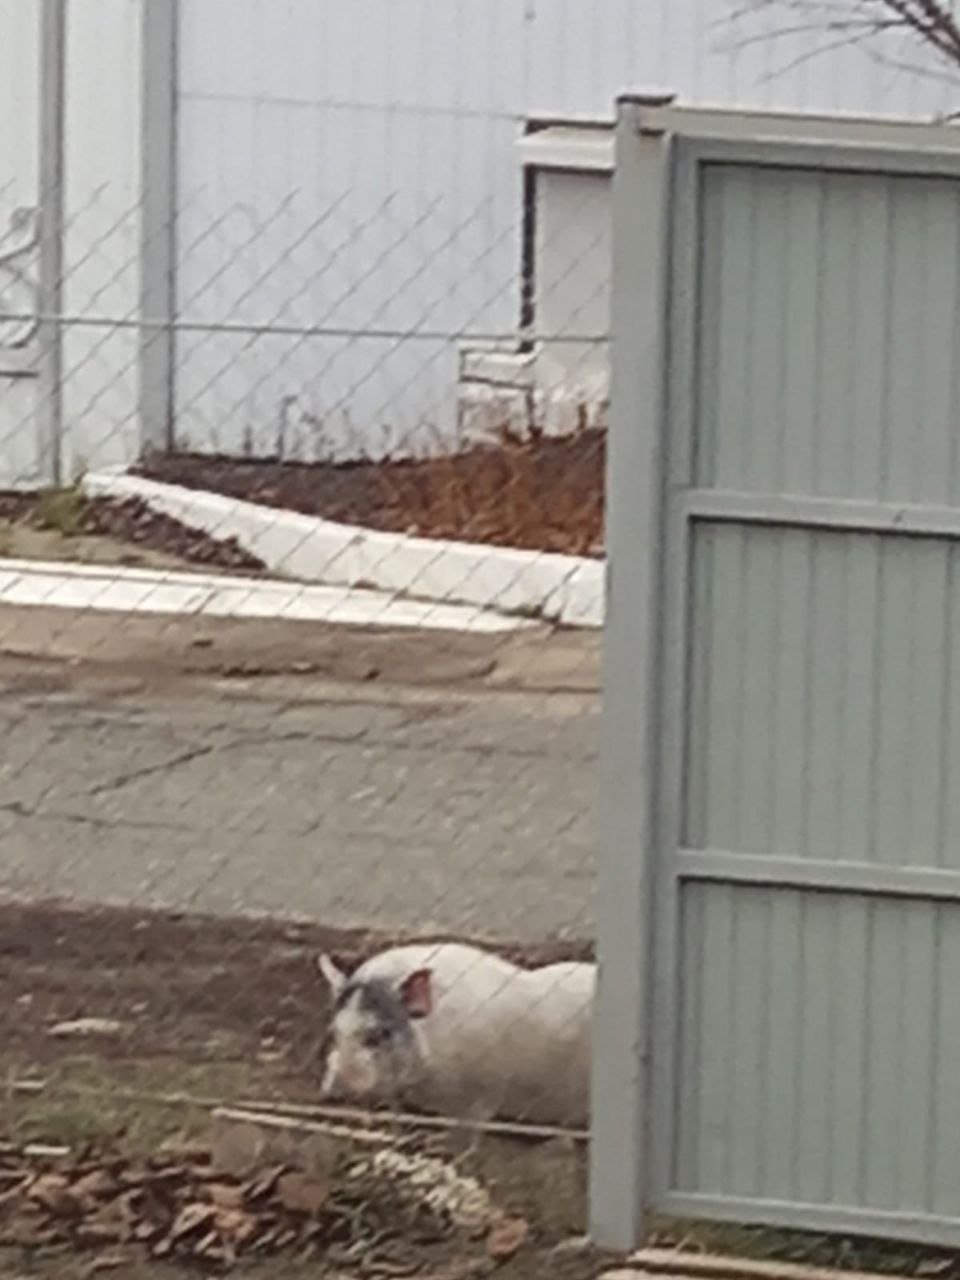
(375, 1051)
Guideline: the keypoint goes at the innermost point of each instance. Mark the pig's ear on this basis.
(335, 978)
(416, 992)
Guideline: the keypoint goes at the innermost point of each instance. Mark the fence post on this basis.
(158, 222)
(52, 71)
(619, 1172)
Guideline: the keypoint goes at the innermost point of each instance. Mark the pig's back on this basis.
(523, 1055)
(550, 1046)
(458, 970)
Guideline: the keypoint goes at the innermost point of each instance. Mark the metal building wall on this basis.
(352, 165)
(348, 166)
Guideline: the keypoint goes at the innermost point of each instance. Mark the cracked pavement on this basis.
(393, 807)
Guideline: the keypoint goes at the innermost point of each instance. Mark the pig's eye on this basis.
(377, 1037)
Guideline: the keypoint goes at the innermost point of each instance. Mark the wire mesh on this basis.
(301, 591)
(299, 678)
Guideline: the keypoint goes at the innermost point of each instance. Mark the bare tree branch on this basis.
(933, 21)
(930, 24)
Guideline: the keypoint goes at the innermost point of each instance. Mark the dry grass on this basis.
(61, 511)
(507, 496)
(544, 494)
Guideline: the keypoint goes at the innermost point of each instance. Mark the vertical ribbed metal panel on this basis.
(819, 1042)
(807, 1009)
(820, 1050)
(825, 703)
(831, 334)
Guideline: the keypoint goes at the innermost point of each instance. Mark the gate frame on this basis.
(619, 1078)
(651, 504)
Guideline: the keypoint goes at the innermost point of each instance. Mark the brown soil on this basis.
(204, 1009)
(75, 519)
(53, 649)
(193, 986)
(544, 494)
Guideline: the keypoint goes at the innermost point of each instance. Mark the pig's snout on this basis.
(348, 1076)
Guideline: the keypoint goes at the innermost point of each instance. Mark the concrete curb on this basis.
(558, 588)
(121, 589)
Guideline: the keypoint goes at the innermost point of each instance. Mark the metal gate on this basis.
(779, 1015)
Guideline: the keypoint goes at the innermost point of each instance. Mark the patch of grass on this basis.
(71, 1123)
(811, 1248)
(120, 1101)
(524, 493)
(61, 511)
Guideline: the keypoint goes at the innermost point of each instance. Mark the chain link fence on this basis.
(303, 403)
(315, 672)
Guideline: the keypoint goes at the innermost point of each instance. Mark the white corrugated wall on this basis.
(350, 165)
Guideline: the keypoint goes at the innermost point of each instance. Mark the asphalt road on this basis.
(396, 807)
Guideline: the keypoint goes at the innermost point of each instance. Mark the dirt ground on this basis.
(53, 648)
(543, 494)
(208, 990)
(203, 1010)
(213, 1010)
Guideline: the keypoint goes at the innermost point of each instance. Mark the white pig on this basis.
(456, 1030)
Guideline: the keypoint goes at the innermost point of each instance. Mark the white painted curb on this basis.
(560, 588)
(125, 590)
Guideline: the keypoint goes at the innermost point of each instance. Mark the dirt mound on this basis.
(544, 495)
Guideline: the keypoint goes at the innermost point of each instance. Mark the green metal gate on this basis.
(778, 1033)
